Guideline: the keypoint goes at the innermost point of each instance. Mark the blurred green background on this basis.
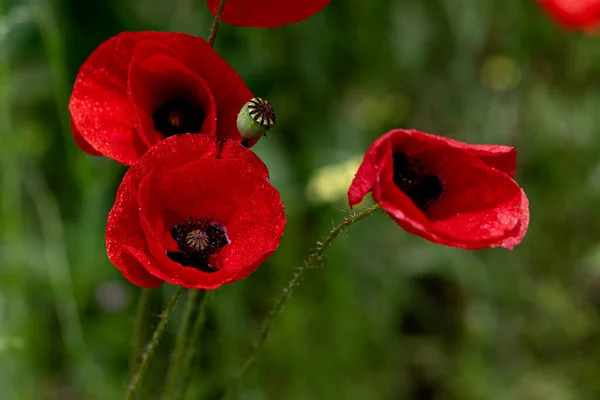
(389, 316)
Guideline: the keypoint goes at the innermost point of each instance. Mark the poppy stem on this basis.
(160, 328)
(216, 23)
(177, 354)
(313, 260)
(192, 351)
(177, 357)
(138, 325)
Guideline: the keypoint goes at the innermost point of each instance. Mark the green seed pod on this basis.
(255, 119)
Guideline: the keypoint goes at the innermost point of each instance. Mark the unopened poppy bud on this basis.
(255, 119)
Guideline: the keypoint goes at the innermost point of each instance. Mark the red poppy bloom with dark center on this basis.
(445, 191)
(266, 13)
(194, 212)
(574, 14)
(138, 88)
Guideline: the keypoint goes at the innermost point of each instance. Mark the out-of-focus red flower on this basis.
(445, 191)
(266, 13)
(194, 212)
(138, 88)
(574, 14)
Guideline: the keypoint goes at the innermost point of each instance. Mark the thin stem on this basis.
(312, 261)
(177, 356)
(162, 323)
(216, 23)
(193, 349)
(138, 325)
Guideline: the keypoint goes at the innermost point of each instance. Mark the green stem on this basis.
(177, 356)
(144, 361)
(138, 329)
(193, 348)
(312, 261)
(216, 23)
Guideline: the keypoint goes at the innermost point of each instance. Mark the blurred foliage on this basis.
(389, 316)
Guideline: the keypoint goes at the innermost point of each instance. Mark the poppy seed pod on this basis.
(255, 119)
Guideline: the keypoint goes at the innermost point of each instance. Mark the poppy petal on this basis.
(81, 142)
(266, 13)
(503, 158)
(573, 14)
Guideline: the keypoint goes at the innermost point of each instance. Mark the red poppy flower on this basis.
(266, 13)
(194, 212)
(138, 88)
(445, 191)
(577, 14)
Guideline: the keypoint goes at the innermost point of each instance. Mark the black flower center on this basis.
(198, 240)
(178, 116)
(412, 178)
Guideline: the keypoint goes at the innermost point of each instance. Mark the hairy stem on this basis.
(315, 258)
(160, 328)
(216, 23)
(193, 348)
(138, 328)
(177, 357)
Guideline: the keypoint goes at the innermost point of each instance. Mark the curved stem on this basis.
(144, 361)
(216, 23)
(193, 349)
(137, 337)
(173, 374)
(312, 261)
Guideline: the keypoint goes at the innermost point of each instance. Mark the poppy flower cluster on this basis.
(574, 14)
(196, 208)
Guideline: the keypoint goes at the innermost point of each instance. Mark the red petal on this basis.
(481, 206)
(266, 13)
(81, 142)
(232, 150)
(125, 239)
(577, 14)
(365, 177)
(100, 105)
(500, 157)
(134, 268)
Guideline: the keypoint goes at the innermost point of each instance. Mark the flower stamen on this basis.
(198, 240)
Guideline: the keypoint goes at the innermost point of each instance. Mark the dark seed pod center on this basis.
(411, 177)
(178, 116)
(261, 111)
(198, 240)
